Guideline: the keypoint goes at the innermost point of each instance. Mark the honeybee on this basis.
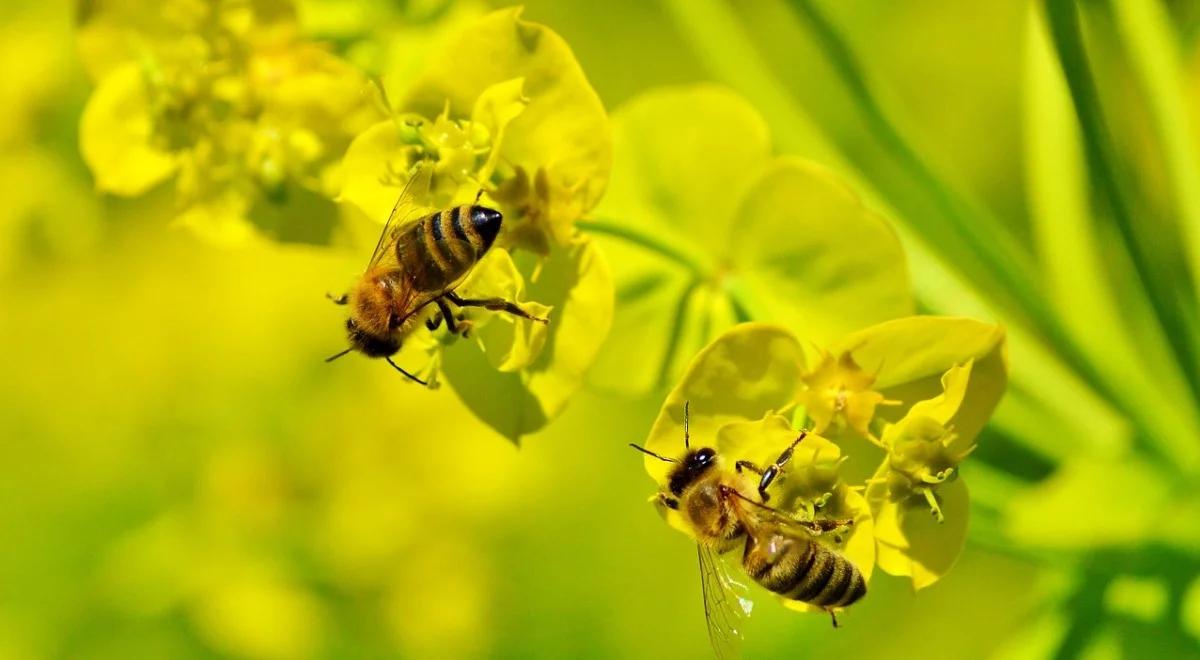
(779, 552)
(419, 261)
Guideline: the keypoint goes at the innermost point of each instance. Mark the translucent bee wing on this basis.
(403, 213)
(755, 515)
(726, 604)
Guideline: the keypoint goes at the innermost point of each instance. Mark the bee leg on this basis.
(747, 465)
(434, 322)
(772, 471)
(668, 501)
(340, 300)
(447, 314)
(819, 527)
(494, 304)
(832, 615)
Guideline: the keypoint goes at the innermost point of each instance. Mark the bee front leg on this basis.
(772, 471)
(668, 501)
(340, 300)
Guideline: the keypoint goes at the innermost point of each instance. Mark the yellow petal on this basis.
(115, 136)
(749, 371)
(910, 356)
(910, 540)
(944, 406)
(495, 108)
(575, 282)
(563, 129)
(375, 171)
(510, 343)
(816, 258)
(859, 544)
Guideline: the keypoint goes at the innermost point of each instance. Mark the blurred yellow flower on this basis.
(249, 119)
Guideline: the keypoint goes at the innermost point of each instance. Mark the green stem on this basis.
(1154, 51)
(677, 325)
(1063, 19)
(991, 243)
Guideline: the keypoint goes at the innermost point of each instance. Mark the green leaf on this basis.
(740, 237)
(747, 372)
(575, 282)
(1091, 503)
(115, 134)
(1079, 266)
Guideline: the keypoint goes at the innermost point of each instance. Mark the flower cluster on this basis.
(503, 111)
(250, 119)
(748, 392)
(265, 132)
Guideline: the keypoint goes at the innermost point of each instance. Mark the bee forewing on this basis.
(726, 604)
(403, 213)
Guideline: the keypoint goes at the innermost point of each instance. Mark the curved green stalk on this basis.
(1063, 19)
(1154, 52)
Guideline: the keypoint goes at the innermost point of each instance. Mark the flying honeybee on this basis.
(419, 260)
(779, 552)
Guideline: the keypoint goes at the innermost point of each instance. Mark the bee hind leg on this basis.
(832, 615)
(494, 304)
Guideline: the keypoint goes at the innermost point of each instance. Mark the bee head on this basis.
(369, 344)
(486, 223)
(694, 464)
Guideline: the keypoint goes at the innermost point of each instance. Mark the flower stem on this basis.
(1168, 303)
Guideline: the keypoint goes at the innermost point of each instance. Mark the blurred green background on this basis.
(183, 477)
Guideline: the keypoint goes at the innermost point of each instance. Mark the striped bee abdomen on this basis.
(441, 247)
(804, 571)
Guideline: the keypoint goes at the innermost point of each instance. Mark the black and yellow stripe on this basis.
(440, 248)
(810, 573)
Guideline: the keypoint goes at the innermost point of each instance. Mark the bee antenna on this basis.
(401, 370)
(647, 451)
(686, 434)
(478, 195)
(335, 356)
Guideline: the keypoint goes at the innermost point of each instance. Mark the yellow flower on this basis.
(707, 227)
(918, 482)
(838, 389)
(504, 111)
(249, 119)
(740, 382)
